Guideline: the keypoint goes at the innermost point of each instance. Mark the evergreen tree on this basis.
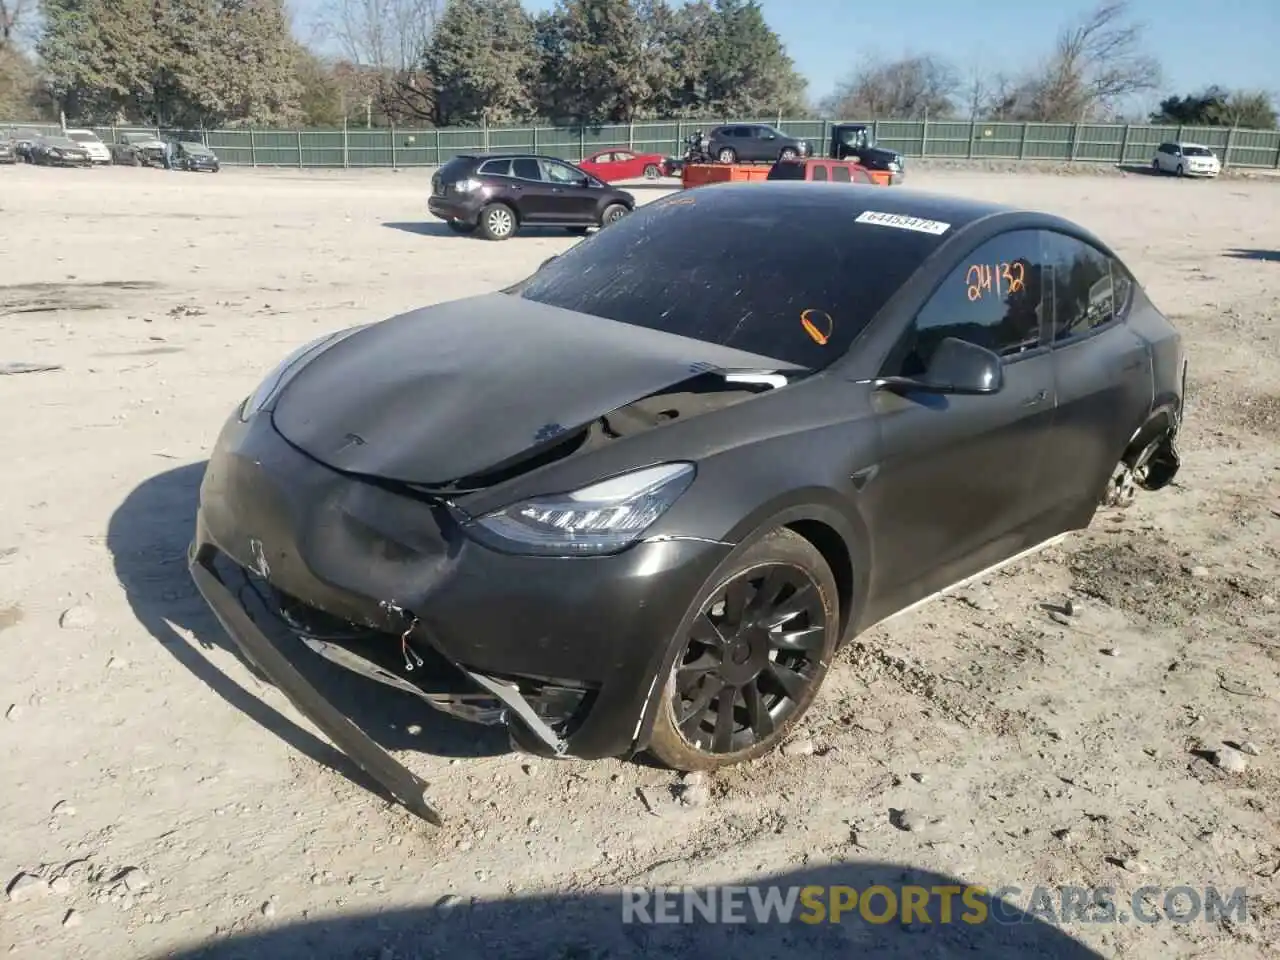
(482, 61)
(748, 72)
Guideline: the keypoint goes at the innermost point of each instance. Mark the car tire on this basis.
(727, 155)
(613, 213)
(651, 171)
(788, 153)
(788, 672)
(460, 226)
(578, 231)
(498, 222)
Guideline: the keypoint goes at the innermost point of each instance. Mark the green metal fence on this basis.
(944, 139)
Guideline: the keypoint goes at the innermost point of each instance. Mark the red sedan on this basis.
(618, 163)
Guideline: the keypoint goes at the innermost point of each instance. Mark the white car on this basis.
(92, 143)
(1186, 160)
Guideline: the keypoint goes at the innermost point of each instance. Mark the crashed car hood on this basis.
(446, 392)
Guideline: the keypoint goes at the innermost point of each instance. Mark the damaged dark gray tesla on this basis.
(638, 501)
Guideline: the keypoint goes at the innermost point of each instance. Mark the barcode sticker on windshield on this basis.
(935, 227)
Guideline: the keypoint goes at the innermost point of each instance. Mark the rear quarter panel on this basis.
(1167, 355)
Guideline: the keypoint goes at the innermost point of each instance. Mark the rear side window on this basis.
(497, 168)
(459, 168)
(1083, 290)
(993, 298)
(819, 171)
(526, 168)
(840, 174)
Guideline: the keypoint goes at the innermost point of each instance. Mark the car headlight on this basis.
(270, 388)
(602, 518)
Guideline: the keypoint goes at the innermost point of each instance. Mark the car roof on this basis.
(901, 201)
(807, 161)
(517, 155)
(1190, 143)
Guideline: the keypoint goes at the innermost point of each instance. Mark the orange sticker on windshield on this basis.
(818, 325)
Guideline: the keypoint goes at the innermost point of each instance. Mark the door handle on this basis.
(1036, 399)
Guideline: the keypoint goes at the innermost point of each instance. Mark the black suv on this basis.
(497, 193)
(754, 142)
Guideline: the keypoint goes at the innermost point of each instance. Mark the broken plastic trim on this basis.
(509, 694)
(395, 777)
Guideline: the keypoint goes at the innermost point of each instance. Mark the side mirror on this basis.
(956, 367)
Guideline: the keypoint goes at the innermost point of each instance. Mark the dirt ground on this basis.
(161, 798)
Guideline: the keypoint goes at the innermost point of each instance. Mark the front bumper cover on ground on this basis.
(399, 781)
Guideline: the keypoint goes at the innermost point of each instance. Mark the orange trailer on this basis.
(701, 174)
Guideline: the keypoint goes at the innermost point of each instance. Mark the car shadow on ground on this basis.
(631, 924)
(147, 537)
(1143, 168)
(1267, 256)
(441, 229)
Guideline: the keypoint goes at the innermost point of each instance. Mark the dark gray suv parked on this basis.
(495, 194)
(754, 142)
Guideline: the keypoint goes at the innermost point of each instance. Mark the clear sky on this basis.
(1235, 43)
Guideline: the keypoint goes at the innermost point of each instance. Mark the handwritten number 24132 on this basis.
(1000, 278)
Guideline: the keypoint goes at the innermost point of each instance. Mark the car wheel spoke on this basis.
(723, 740)
(757, 713)
(793, 684)
(736, 598)
(690, 715)
(689, 675)
(706, 632)
(804, 600)
(775, 581)
(809, 640)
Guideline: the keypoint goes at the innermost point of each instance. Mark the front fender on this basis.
(808, 505)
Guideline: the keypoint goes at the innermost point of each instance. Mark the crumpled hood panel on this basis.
(448, 391)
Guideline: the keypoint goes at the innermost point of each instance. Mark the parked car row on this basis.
(84, 148)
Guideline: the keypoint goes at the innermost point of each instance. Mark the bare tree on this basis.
(1096, 63)
(16, 18)
(910, 88)
(387, 39)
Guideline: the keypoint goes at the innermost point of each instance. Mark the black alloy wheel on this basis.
(613, 213)
(753, 658)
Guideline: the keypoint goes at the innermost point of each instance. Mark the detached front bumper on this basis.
(346, 736)
(568, 651)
